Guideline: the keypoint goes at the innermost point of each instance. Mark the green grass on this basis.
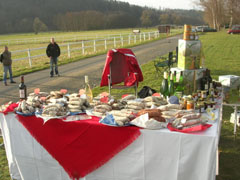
(222, 53)
(59, 34)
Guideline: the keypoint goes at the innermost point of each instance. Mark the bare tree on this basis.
(233, 9)
(220, 12)
(214, 12)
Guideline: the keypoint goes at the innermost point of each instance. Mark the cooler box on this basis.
(188, 77)
(231, 81)
(187, 51)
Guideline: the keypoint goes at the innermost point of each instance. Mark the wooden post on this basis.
(140, 37)
(144, 37)
(129, 39)
(135, 39)
(83, 48)
(149, 36)
(29, 58)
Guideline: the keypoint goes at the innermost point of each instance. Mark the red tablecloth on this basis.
(80, 146)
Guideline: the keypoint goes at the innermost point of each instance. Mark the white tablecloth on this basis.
(155, 155)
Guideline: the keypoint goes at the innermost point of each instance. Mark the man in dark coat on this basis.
(53, 52)
(6, 59)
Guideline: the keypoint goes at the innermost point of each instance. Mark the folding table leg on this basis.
(235, 122)
(217, 163)
(109, 85)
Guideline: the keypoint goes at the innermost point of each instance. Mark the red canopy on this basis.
(123, 63)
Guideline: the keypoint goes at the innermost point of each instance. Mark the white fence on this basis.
(60, 39)
(84, 45)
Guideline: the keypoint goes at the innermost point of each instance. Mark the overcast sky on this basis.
(173, 4)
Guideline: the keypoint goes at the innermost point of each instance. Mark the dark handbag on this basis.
(146, 91)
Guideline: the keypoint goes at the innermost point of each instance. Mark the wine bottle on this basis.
(208, 77)
(88, 90)
(211, 91)
(169, 75)
(180, 85)
(22, 89)
(175, 77)
(203, 81)
(164, 86)
(171, 85)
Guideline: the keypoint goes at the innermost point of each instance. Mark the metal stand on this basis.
(235, 107)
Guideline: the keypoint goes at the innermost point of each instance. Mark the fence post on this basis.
(69, 50)
(149, 36)
(144, 37)
(135, 39)
(83, 50)
(29, 58)
(105, 44)
(155, 34)
(122, 41)
(114, 42)
(129, 39)
(140, 37)
(94, 45)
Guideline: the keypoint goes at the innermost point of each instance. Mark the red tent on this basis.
(123, 64)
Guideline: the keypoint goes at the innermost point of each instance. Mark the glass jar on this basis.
(190, 105)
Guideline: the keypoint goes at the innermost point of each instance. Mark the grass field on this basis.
(22, 66)
(59, 35)
(222, 53)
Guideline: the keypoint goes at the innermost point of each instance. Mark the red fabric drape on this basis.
(130, 64)
(82, 146)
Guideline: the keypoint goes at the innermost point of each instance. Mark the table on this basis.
(155, 155)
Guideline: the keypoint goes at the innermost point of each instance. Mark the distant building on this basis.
(164, 28)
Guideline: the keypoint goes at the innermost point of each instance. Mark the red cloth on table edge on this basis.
(132, 62)
(82, 146)
(10, 108)
(201, 127)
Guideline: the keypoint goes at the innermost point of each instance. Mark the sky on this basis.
(173, 4)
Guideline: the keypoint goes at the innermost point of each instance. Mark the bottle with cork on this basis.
(22, 90)
(88, 90)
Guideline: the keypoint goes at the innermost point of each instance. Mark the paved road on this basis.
(72, 75)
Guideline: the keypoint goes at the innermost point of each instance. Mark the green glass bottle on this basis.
(169, 75)
(180, 85)
(171, 86)
(164, 86)
(175, 77)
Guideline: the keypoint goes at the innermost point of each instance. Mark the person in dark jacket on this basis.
(53, 52)
(6, 59)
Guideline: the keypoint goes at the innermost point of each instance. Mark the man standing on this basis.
(6, 60)
(53, 52)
